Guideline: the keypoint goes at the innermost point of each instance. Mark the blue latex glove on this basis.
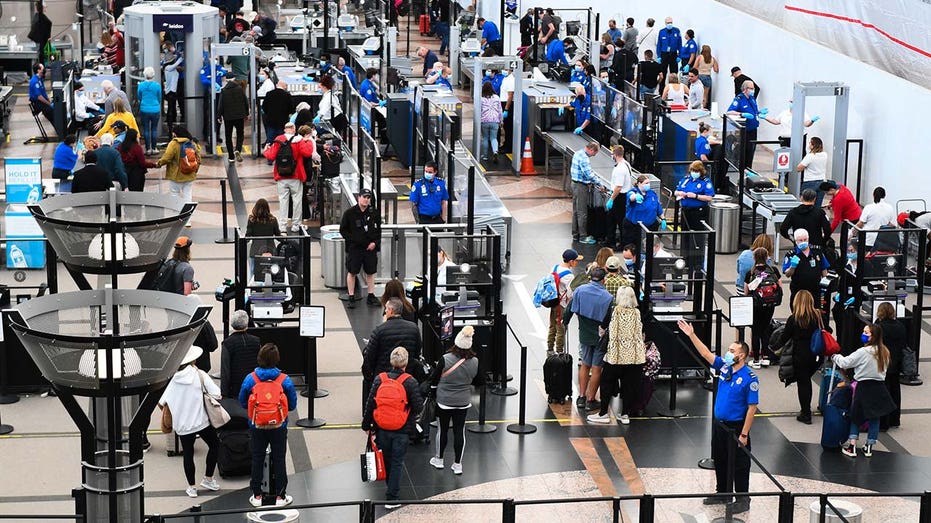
(560, 111)
(578, 130)
(685, 68)
(662, 224)
(793, 262)
(382, 103)
(678, 61)
(764, 111)
(317, 120)
(748, 116)
(815, 119)
(504, 114)
(837, 298)
(638, 198)
(609, 205)
(849, 302)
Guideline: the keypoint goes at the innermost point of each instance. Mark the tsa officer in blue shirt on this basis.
(710, 152)
(491, 37)
(346, 70)
(694, 192)
(429, 196)
(668, 44)
(643, 206)
(582, 107)
(734, 407)
(556, 52)
(689, 52)
(38, 96)
(369, 91)
(744, 105)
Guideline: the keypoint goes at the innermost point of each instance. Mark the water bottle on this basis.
(33, 195)
(17, 257)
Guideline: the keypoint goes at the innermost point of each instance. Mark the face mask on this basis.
(580, 96)
(669, 26)
(262, 77)
(578, 68)
(505, 73)
(729, 359)
(630, 262)
(790, 105)
(694, 175)
(865, 338)
(487, 74)
(428, 176)
(802, 246)
(753, 93)
(645, 187)
(851, 256)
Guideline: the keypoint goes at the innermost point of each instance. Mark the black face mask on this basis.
(580, 97)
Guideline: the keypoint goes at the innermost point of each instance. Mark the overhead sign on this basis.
(781, 163)
(173, 22)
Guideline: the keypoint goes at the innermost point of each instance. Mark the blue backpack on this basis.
(547, 290)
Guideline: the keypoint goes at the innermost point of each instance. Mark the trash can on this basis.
(723, 217)
(332, 257)
(851, 512)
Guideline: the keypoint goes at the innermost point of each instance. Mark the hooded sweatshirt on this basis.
(186, 401)
(267, 375)
(810, 218)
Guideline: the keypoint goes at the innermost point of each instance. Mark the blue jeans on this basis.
(645, 91)
(489, 138)
(261, 439)
(271, 132)
(872, 434)
(393, 444)
(442, 29)
(814, 185)
(149, 129)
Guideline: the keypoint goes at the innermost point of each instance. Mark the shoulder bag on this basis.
(215, 412)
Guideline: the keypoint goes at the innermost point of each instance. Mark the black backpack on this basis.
(285, 163)
(164, 281)
(290, 250)
(767, 291)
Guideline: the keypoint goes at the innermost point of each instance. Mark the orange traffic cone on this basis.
(526, 160)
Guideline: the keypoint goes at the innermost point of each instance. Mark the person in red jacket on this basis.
(843, 203)
(290, 182)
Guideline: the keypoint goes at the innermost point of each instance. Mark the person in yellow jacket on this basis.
(180, 183)
(119, 114)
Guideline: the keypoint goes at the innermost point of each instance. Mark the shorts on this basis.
(361, 259)
(590, 356)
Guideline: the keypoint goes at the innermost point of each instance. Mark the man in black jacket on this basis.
(233, 110)
(238, 355)
(809, 217)
(276, 110)
(392, 441)
(91, 178)
(739, 79)
(394, 332)
(361, 230)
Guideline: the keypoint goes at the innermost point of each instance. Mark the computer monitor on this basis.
(447, 315)
(455, 276)
(269, 269)
(673, 266)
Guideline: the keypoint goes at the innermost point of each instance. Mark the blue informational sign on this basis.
(365, 115)
(25, 246)
(173, 22)
(23, 180)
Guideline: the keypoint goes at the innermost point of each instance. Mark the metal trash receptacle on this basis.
(850, 511)
(332, 257)
(723, 218)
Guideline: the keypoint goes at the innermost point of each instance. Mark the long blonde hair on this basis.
(804, 310)
(706, 53)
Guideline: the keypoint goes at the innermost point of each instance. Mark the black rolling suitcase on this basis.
(234, 457)
(557, 377)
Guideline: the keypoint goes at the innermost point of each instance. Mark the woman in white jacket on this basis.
(871, 399)
(185, 398)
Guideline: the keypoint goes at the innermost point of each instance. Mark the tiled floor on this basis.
(565, 458)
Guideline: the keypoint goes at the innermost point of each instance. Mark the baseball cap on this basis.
(251, 15)
(366, 192)
(571, 254)
(734, 69)
(597, 274)
(613, 263)
(182, 242)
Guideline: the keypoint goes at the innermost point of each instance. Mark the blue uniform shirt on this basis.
(429, 196)
(556, 52)
(442, 80)
(647, 212)
(742, 104)
(736, 391)
(702, 147)
(490, 32)
(583, 110)
(701, 186)
(367, 90)
(428, 61)
(615, 34)
(37, 88)
(669, 41)
(688, 49)
(350, 74)
(496, 82)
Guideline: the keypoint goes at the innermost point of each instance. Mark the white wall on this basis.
(889, 113)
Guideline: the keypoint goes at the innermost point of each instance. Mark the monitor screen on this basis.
(446, 322)
(633, 121)
(273, 266)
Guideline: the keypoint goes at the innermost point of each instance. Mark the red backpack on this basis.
(391, 407)
(268, 405)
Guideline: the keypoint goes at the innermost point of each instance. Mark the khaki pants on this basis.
(556, 337)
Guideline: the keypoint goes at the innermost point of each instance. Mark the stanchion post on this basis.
(924, 513)
(522, 427)
(310, 376)
(500, 387)
(672, 411)
(481, 427)
(367, 511)
(786, 507)
(647, 508)
(225, 238)
(508, 511)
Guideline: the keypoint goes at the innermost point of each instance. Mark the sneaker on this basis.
(373, 301)
(754, 364)
(283, 501)
(592, 405)
(849, 450)
(255, 501)
(588, 240)
(804, 418)
(868, 450)
(765, 362)
(296, 227)
(456, 468)
(238, 156)
(352, 303)
(599, 418)
(210, 484)
(191, 492)
(393, 505)
(624, 419)
(146, 445)
(437, 463)
(580, 402)
(740, 506)
(345, 297)
(716, 500)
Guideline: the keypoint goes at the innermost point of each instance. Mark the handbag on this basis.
(372, 461)
(215, 412)
(817, 340)
(166, 420)
(427, 415)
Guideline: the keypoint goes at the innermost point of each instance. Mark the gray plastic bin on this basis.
(332, 257)
(723, 217)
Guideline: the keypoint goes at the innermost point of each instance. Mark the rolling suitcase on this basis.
(424, 25)
(834, 424)
(234, 457)
(826, 380)
(557, 377)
